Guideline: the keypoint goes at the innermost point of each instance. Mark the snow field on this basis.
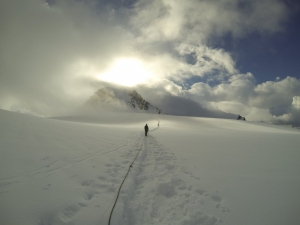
(189, 171)
(251, 170)
(157, 193)
(52, 172)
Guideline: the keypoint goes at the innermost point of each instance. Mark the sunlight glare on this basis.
(127, 72)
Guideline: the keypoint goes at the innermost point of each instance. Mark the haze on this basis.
(55, 54)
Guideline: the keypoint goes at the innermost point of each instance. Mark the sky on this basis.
(235, 56)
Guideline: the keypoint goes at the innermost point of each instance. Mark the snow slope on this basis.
(189, 171)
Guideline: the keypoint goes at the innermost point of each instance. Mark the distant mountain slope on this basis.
(121, 98)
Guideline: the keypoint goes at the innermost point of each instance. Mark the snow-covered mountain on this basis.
(121, 98)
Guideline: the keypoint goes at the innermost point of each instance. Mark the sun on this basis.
(126, 72)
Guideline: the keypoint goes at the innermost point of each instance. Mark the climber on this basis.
(146, 129)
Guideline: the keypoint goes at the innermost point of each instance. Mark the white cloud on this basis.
(51, 55)
(296, 102)
(43, 49)
(238, 88)
(194, 21)
(241, 96)
(275, 93)
(208, 59)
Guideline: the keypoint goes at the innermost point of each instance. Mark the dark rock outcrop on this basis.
(241, 118)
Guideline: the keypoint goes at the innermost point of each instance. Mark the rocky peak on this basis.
(121, 96)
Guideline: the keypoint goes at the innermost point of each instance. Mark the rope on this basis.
(111, 212)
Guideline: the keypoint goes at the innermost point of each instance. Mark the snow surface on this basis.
(189, 171)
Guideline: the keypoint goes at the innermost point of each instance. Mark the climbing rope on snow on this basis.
(130, 166)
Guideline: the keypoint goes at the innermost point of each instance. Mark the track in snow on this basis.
(154, 192)
(49, 168)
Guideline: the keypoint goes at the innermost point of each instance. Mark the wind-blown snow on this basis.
(189, 171)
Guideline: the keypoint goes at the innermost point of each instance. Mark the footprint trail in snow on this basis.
(154, 193)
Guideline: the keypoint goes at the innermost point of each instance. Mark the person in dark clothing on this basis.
(146, 129)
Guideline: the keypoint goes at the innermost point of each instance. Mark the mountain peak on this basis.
(121, 98)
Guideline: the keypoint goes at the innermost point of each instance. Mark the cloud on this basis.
(52, 53)
(296, 102)
(276, 102)
(46, 52)
(208, 60)
(195, 21)
(273, 93)
(237, 87)
(177, 104)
